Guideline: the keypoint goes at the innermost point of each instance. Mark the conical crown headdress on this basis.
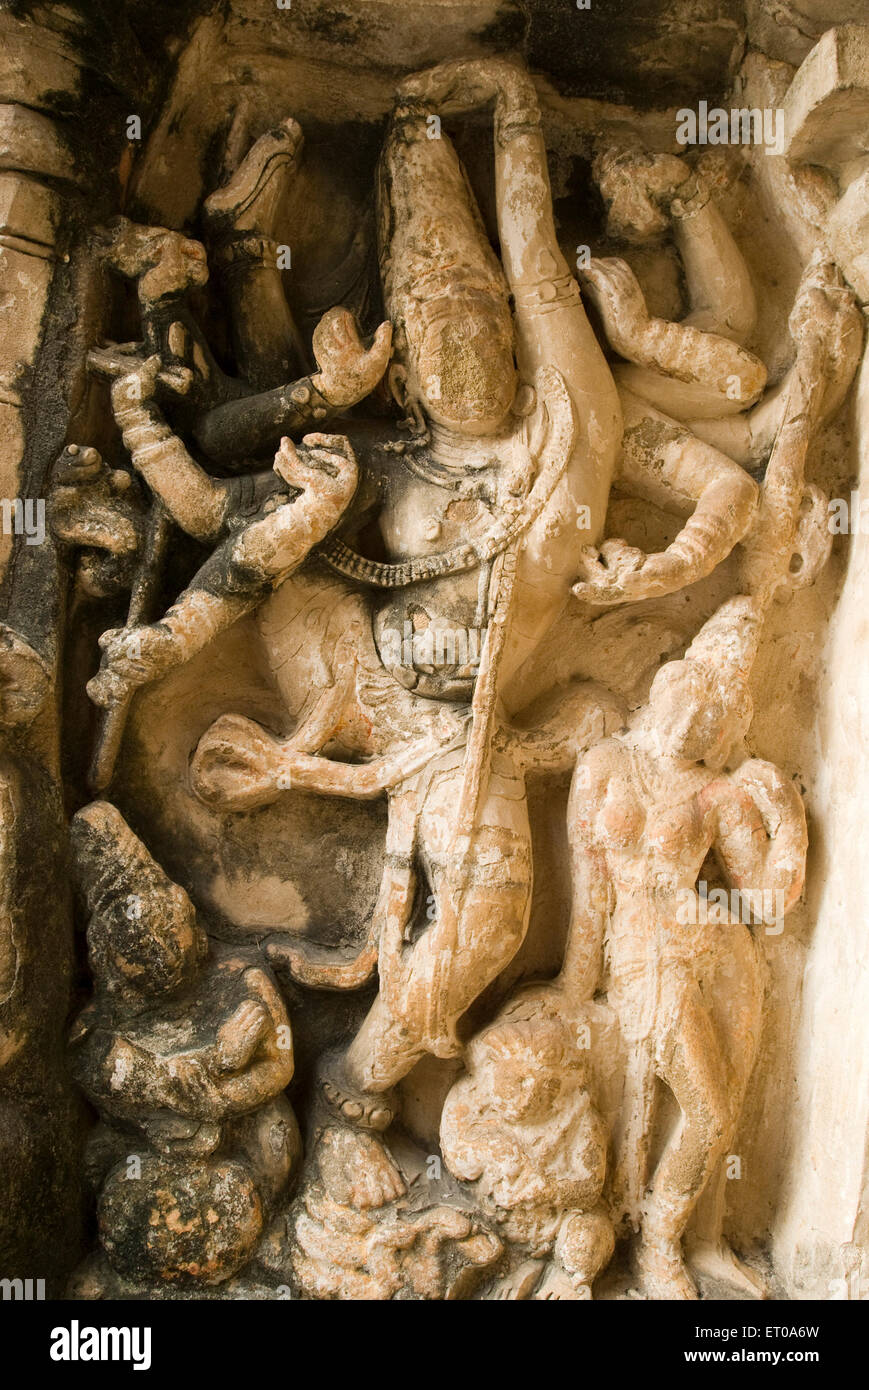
(431, 238)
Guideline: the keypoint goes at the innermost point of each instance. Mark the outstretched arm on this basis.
(239, 573)
(664, 463)
(239, 767)
(827, 329)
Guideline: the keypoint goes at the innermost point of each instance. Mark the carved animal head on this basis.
(164, 262)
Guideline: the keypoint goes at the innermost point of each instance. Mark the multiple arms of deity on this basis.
(616, 433)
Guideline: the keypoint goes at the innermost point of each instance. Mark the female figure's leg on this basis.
(690, 1062)
(737, 990)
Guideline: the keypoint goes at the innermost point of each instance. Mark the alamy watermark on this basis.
(432, 646)
(24, 517)
(739, 126)
(22, 1290)
(750, 906)
(77, 1343)
(848, 516)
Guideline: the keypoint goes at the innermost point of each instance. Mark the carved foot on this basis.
(518, 1283)
(463, 85)
(717, 1261)
(369, 1111)
(356, 1233)
(247, 203)
(358, 1169)
(662, 1271)
(557, 1287)
(584, 1247)
(165, 263)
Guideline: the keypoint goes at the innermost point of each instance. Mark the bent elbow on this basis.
(744, 498)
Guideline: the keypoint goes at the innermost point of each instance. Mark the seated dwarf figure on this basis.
(521, 1126)
(185, 1050)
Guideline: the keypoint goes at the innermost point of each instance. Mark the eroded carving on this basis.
(390, 514)
(186, 1051)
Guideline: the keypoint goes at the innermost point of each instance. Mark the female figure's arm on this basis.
(761, 838)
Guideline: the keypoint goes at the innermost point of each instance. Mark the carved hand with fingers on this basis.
(240, 1036)
(467, 84)
(131, 657)
(348, 370)
(621, 573)
(615, 292)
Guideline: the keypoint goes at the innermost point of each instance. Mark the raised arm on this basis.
(552, 329)
(195, 500)
(552, 332)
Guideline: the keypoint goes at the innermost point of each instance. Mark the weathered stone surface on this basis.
(827, 106)
(432, 676)
(849, 234)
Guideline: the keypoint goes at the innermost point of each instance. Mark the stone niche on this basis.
(435, 673)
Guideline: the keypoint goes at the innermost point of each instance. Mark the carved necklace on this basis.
(504, 530)
(448, 475)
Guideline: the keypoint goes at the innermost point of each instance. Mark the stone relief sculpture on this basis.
(413, 617)
(521, 1126)
(525, 499)
(186, 1059)
(687, 989)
